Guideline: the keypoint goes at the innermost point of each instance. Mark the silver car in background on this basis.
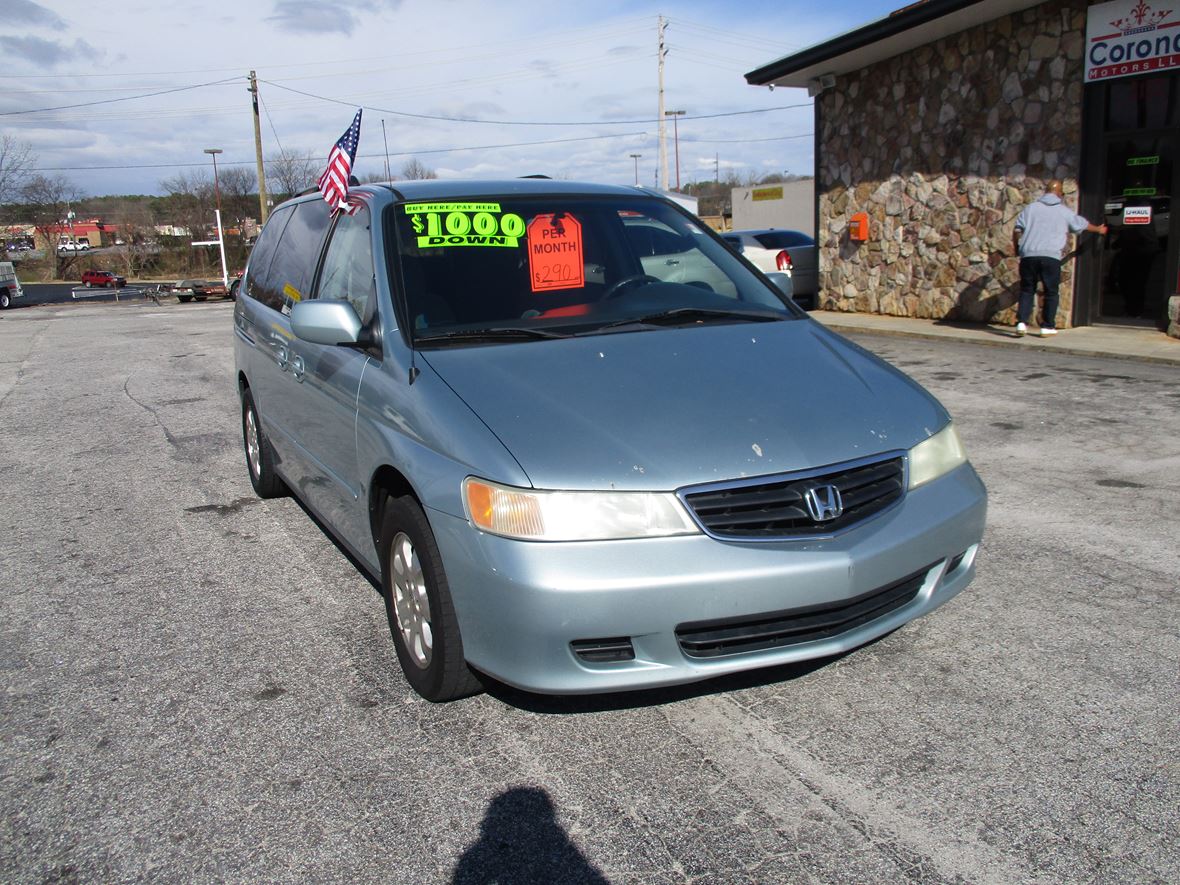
(786, 251)
(562, 425)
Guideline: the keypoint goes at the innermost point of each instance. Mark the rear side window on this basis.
(783, 239)
(258, 283)
(291, 271)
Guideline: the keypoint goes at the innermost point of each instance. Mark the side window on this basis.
(348, 265)
(295, 258)
(258, 285)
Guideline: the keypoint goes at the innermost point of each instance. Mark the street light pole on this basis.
(636, 157)
(213, 152)
(676, 141)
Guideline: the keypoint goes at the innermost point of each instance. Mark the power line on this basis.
(483, 147)
(266, 111)
(89, 104)
(744, 140)
(448, 119)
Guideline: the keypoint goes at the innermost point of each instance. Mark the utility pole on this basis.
(676, 141)
(663, 179)
(262, 196)
(388, 177)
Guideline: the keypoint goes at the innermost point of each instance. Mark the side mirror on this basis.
(782, 282)
(326, 322)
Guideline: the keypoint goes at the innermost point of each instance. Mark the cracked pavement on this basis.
(199, 686)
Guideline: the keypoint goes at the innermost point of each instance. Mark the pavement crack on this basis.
(151, 411)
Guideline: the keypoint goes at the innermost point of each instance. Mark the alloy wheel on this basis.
(411, 605)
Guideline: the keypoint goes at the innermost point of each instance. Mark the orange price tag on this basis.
(555, 253)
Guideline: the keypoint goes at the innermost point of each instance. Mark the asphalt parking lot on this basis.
(199, 686)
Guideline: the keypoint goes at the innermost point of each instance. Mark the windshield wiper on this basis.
(474, 335)
(689, 315)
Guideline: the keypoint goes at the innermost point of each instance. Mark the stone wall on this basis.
(942, 147)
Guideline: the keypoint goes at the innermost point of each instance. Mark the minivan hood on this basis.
(673, 407)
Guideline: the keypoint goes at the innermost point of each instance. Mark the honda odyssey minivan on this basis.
(582, 444)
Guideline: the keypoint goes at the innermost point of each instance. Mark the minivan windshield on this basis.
(512, 269)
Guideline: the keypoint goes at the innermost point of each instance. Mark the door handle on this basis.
(672, 261)
(297, 368)
(281, 357)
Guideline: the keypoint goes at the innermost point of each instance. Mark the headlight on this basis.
(935, 456)
(532, 515)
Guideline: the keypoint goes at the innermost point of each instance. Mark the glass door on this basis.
(1140, 171)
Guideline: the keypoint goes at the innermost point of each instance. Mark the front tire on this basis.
(5, 299)
(418, 606)
(259, 455)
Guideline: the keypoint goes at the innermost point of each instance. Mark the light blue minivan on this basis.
(583, 445)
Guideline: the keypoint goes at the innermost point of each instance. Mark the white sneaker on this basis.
(1021, 328)
(1046, 331)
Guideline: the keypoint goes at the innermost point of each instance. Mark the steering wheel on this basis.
(617, 288)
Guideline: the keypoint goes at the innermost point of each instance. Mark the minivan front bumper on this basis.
(522, 604)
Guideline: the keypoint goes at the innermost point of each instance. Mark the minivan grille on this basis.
(777, 508)
(711, 639)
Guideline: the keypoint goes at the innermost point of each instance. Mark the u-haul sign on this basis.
(1137, 215)
(1130, 37)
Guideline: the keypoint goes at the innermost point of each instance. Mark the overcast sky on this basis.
(588, 66)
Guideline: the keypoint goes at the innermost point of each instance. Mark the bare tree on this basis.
(189, 205)
(239, 193)
(47, 199)
(415, 169)
(291, 173)
(133, 221)
(16, 158)
(191, 200)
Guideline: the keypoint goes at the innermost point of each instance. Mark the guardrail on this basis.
(152, 291)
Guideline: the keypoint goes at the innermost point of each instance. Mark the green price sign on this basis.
(464, 224)
(1139, 192)
(1143, 161)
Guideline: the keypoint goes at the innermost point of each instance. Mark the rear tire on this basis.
(184, 299)
(259, 455)
(5, 299)
(418, 606)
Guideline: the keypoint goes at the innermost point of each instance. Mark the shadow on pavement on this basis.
(520, 841)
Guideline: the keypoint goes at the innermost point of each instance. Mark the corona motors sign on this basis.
(1131, 37)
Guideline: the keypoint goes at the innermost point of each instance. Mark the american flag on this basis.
(333, 183)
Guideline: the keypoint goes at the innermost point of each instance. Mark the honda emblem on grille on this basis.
(824, 503)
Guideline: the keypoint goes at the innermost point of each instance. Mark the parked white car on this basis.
(787, 251)
(67, 246)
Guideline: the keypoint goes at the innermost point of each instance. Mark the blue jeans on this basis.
(1035, 270)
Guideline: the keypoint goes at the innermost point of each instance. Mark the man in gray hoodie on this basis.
(1042, 229)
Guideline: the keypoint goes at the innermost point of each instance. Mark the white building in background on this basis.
(789, 205)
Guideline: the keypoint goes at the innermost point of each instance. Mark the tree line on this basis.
(29, 197)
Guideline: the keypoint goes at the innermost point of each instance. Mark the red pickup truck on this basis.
(102, 278)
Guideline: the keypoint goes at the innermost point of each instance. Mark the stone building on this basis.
(944, 119)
